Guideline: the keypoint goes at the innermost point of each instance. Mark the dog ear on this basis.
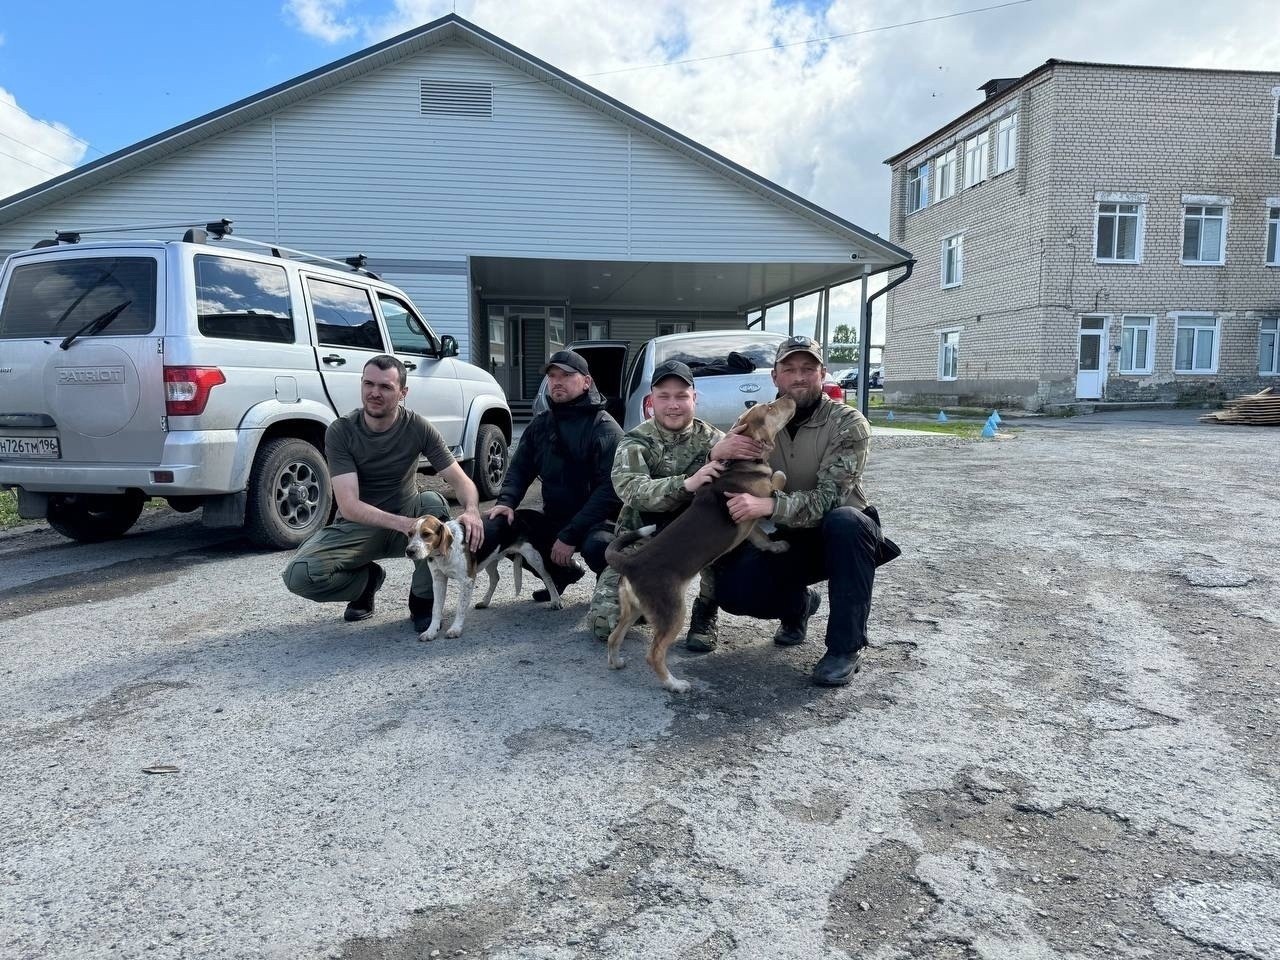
(444, 540)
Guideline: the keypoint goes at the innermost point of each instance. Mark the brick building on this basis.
(1091, 231)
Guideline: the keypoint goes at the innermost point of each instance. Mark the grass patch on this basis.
(9, 510)
(968, 430)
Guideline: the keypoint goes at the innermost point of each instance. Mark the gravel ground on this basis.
(1063, 745)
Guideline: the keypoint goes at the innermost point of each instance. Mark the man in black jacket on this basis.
(570, 448)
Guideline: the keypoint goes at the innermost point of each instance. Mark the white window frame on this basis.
(1007, 143)
(949, 350)
(1138, 200)
(1271, 237)
(918, 187)
(1269, 326)
(945, 164)
(976, 151)
(955, 240)
(1128, 321)
(1203, 204)
(1181, 322)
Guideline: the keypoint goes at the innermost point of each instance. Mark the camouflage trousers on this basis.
(605, 609)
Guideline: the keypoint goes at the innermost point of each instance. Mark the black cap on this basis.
(568, 361)
(671, 368)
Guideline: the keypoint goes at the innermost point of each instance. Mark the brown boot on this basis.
(702, 636)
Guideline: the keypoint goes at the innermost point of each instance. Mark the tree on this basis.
(843, 347)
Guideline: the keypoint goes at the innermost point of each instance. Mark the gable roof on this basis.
(450, 27)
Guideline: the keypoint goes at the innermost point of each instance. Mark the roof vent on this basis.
(456, 98)
(993, 88)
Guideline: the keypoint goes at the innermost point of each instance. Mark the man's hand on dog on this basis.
(562, 553)
(704, 475)
(737, 446)
(745, 506)
(501, 511)
(474, 527)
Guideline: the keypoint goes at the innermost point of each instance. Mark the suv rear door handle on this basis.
(410, 365)
(334, 359)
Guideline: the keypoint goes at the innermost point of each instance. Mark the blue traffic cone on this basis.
(889, 416)
(992, 421)
(995, 417)
(989, 430)
(942, 417)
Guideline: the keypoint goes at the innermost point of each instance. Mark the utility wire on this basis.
(9, 136)
(36, 166)
(52, 126)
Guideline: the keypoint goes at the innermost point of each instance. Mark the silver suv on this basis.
(206, 375)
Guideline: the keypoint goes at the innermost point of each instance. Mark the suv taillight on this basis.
(648, 406)
(186, 389)
(833, 390)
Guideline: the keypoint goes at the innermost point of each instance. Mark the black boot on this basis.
(793, 634)
(420, 610)
(837, 669)
(562, 577)
(361, 608)
(702, 636)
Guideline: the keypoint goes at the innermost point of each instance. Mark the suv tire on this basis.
(94, 517)
(290, 495)
(489, 467)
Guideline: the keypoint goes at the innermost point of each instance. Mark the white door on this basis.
(1091, 374)
(434, 388)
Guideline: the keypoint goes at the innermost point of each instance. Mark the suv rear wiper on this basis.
(96, 324)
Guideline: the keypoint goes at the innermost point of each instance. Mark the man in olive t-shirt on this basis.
(373, 458)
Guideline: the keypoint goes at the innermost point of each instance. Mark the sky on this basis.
(754, 80)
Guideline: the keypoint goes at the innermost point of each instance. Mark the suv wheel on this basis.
(289, 493)
(490, 465)
(94, 517)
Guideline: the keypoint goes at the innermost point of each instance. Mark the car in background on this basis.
(731, 371)
(848, 379)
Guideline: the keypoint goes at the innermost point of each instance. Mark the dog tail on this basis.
(614, 554)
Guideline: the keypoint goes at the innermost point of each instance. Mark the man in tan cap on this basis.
(823, 513)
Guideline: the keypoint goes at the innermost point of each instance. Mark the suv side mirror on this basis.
(448, 345)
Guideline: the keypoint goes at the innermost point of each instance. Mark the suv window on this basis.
(58, 297)
(408, 333)
(703, 351)
(344, 316)
(242, 300)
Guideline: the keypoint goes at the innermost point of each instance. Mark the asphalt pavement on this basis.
(1063, 745)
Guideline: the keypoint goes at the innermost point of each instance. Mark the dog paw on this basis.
(777, 546)
(617, 663)
(557, 604)
(676, 685)
(454, 632)
(426, 635)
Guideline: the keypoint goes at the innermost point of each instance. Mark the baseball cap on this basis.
(671, 368)
(799, 344)
(569, 361)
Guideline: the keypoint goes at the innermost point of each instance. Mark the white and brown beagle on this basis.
(443, 544)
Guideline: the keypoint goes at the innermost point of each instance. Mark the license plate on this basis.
(30, 448)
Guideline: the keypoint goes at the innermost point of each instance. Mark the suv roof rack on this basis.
(201, 231)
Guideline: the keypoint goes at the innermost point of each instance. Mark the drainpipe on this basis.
(864, 335)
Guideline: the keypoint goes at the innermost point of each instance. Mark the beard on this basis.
(380, 412)
(804, 397)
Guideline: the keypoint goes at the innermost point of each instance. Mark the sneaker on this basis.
(702, 636)
(837, 669)
(361, 608)
(793, 634)
(420, 610)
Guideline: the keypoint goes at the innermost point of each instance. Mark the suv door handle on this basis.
(410, 365)
(334, 359)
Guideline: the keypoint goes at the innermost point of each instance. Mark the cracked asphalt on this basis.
(1064, 744)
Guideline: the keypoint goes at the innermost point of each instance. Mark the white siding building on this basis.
(519, 207)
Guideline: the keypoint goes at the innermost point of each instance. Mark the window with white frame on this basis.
(946, 178)
(975, 159)
(917, 188)
(948, 354)
(1275, 145)
(1269, 348)
(1204, 234)
(1007, 143)
(1119, 229)
(953, 260)
(1137, 343)
(676, 326)
(1195, 346)
(1273, 236)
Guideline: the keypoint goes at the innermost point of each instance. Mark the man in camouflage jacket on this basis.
(822, 512)
(657, 468)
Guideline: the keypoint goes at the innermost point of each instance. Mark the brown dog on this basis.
(653, 579)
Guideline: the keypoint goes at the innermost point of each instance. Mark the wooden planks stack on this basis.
(1260, 410)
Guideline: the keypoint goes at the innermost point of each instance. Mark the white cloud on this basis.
(320, 19)
(32, 151)
(821, 118)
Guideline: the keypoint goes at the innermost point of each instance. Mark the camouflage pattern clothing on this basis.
(649, 470)
(823, 462)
